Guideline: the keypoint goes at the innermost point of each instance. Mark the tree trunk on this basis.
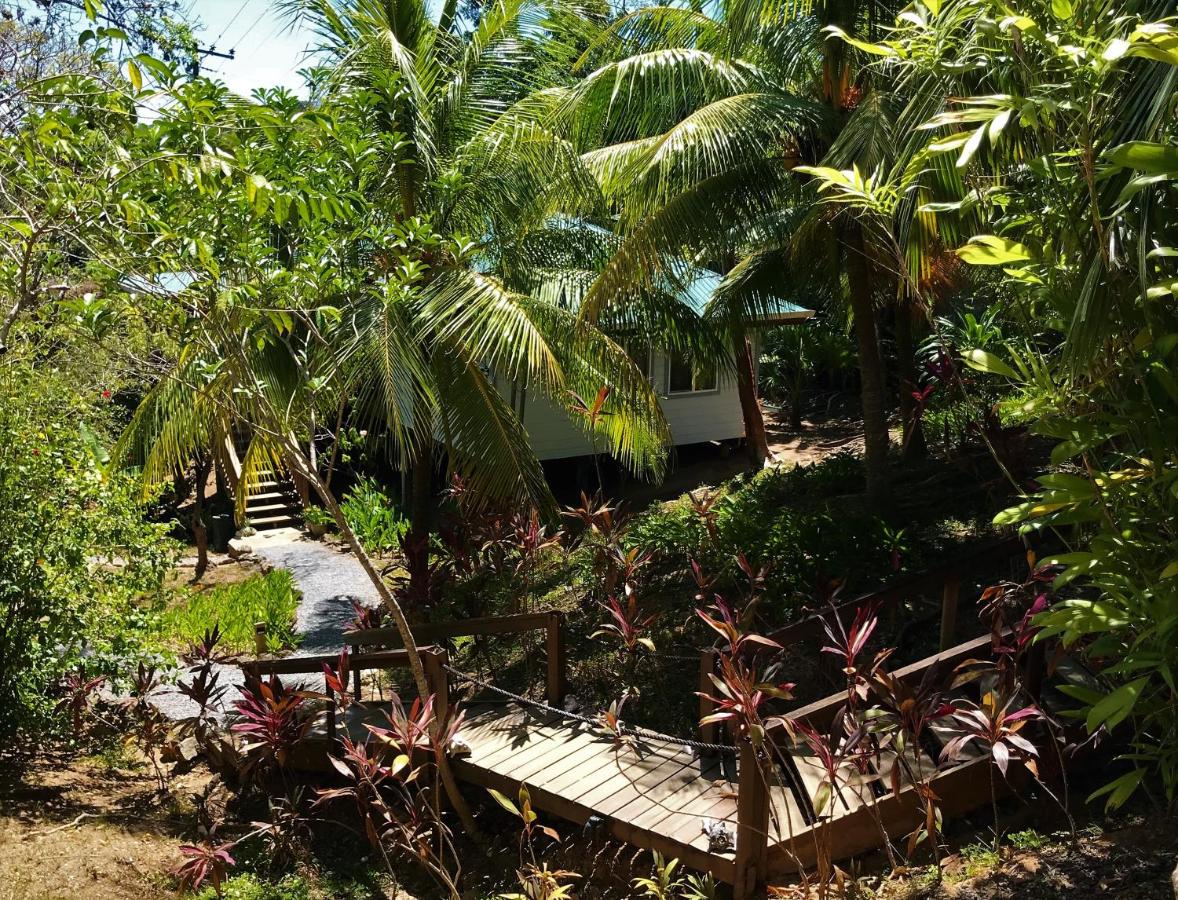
(420, 511)
(871, 369)
(200, 531)
(299, 463)
(914, 446)
(756, 439)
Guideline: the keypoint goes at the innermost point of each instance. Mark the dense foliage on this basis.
(78, 557)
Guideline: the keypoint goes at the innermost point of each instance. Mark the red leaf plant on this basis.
(630, 625)
(80, 691)
(274, 721)
(206, 861)
(849, 644)
(995, 727)
(740, 688)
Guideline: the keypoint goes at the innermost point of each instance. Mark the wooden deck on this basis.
(658, 793)
(651, 794)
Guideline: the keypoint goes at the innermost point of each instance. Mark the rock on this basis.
(1174, 881)
(238, 549)
(720, 836)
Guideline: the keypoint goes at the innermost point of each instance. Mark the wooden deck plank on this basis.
(628, 769)
(544, 762)
(711, 774)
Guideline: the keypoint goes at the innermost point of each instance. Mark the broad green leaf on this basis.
(135, 75)
(1162, 289)
(984, 361)
(1116, 707)
(991, 250)
(1171, 570)
(504, 802)
(1061, 9)
(873, 49)
(971, 147)
(1119, 790)
(1145, 156)
(1115, 50)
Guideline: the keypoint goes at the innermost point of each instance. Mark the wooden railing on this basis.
(944, 580)
(550, 621)
(433, 660)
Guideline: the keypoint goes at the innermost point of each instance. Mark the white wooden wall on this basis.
(693, 418)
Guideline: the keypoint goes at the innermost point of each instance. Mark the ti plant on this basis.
(995, 727)
(537, 881)
(741, 688)
(629, 625)
(79, 693)
(207, 861)
(274, 720)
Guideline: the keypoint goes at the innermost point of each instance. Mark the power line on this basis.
(241, 8)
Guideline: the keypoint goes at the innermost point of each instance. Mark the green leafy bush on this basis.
(250, 887)
(76, 556)
(235, 608)
(374, 516)
(806, 523)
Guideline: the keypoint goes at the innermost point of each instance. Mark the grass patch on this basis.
(270, 598)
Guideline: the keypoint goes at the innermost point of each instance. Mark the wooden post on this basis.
(357, 686)
(434, 660)
(556, 684)
(707, 668)
(752, 824)
(949, 611)
(261, 644)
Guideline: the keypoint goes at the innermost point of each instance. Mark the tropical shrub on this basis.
(76, 556)
(1061, 121)
(373, 516)
(804, 525)
(235, 609)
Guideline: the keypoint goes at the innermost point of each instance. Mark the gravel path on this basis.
(329, 581)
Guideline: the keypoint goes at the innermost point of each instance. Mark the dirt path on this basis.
(74, 829)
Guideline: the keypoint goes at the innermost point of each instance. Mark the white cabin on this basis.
(699, 407)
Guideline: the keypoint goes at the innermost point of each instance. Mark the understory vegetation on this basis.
(235, 609)
(370, 305)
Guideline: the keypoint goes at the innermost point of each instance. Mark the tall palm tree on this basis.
(693, 123)
(456, 180)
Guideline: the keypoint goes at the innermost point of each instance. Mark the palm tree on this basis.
(700, 123)
(456, 180)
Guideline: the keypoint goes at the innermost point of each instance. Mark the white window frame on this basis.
(692, 392)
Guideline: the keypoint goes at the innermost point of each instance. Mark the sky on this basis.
(267, 52)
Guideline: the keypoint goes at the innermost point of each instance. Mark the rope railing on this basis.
(634, 730)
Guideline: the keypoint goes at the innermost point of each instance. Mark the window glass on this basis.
(684, 376)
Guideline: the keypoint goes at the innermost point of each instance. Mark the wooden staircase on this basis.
(276, 505)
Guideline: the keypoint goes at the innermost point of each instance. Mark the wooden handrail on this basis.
(435, 631)
(549, 621)
(945, 579)
(433, 659)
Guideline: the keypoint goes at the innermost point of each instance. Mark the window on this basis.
(685, 376)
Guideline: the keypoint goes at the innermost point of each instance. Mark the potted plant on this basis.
(318, 521)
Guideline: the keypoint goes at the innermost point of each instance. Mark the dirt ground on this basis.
(704, 465)
(89, 829)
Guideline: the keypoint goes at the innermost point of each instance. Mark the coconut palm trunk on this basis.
(871, 367)
(756, 438)
(913, 440)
